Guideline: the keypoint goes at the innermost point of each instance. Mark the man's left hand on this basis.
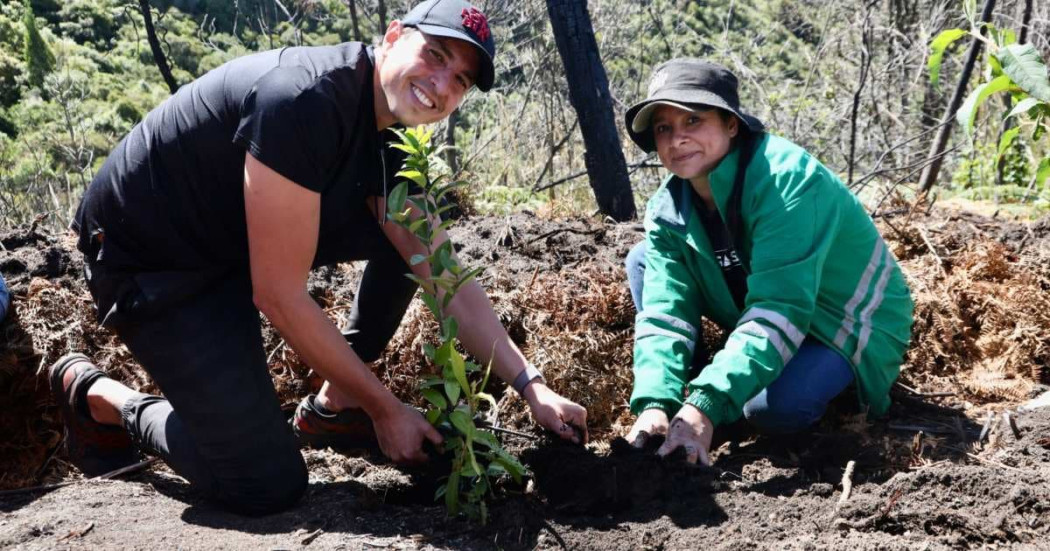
(564, 417)
(692, 430)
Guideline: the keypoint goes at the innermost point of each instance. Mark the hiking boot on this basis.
(318, 428)
(94, 448)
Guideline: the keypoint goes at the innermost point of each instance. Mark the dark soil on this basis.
(921, 479)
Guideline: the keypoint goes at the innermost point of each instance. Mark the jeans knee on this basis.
(277, 489)
(635, 266)
(635, 261)
(783, 419)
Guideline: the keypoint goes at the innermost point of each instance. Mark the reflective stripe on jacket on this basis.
(816, 266)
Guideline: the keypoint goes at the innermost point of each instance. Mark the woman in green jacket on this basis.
(755, 234)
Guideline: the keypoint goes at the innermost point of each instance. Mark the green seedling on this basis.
(454, 398)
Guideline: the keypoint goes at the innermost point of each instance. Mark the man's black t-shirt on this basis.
(170, 197)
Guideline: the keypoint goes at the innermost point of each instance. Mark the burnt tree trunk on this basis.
(154, 46)
(589, 95)
(450, 140)
(1026, 22)
(381, 10)
(352, 6)
(936, 155)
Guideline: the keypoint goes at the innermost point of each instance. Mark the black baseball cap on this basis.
(458, 19)
(687, 83)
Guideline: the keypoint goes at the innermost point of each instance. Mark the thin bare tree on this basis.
(589, 95)
(154, 45)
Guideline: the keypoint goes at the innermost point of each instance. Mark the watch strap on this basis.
(526, 376)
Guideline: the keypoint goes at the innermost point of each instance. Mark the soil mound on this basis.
(923, 475)
(580, 481)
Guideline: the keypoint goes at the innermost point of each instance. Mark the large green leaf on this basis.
(509, 462)
(420, 202)
(451, 329)
(459, 371)
(415, 176)
(937, 48)
(515, 469)
(452, 493)
(433, 415)
(434, 397)
(423, 134)
(1006, 141)
(452, 390)
(410, 137)
(968, 112)
(417, 224)
(1043, 172)
(1021, 62)
(395, 202)
(471, 274)
(428, 287)
(468, 470)
(431, 303)
(469, 450)
(1023, 107)
(406, 148)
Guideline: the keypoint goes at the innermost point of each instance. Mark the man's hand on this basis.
(692, 430)
(401, 433)
(564, 417)
(651, 422)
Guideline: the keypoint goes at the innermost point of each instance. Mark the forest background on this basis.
(846, 79)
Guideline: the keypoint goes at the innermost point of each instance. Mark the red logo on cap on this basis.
(477, 22)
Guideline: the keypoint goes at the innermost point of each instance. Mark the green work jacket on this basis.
(816, 266)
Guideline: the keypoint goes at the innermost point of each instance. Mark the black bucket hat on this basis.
(458, 19)
(686, 83)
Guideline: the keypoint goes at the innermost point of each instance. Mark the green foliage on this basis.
(38, 57)
(1017, 70)
(980, 169)
(89, 22)
(937, 48)
(1022, 64)
(497, 199)
(968, 111)
(456, 396)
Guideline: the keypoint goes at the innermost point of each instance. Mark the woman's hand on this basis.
(692, 430)
(651, 422)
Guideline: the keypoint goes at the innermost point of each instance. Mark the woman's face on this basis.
(691, 143)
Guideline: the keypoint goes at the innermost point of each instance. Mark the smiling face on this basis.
(691, 143)
(421, 79)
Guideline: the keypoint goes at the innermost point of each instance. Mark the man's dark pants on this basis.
(220, 425)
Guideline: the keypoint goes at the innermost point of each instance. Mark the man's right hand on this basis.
(401, 433)
(650, 422)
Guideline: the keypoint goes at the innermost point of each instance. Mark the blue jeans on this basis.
(5, 298)
(798, 397)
